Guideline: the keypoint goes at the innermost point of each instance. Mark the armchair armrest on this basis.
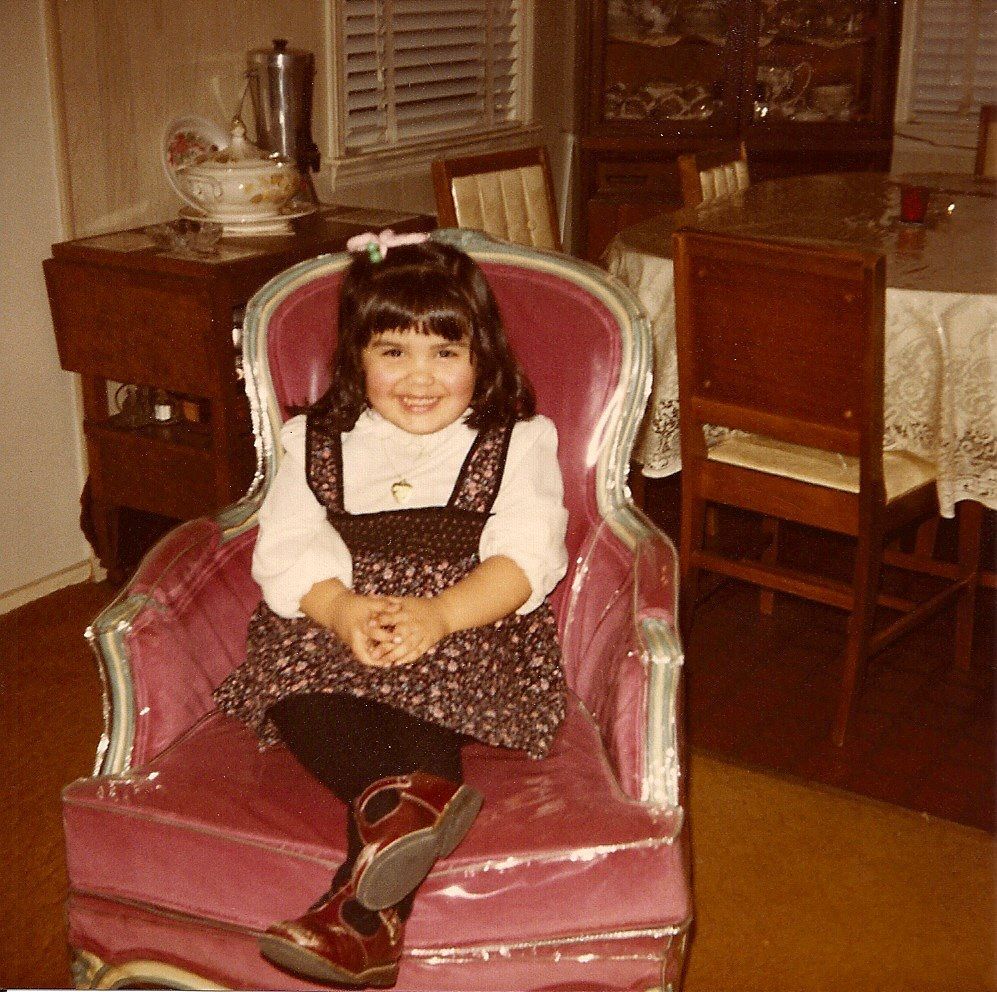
(623, 652)
(172, 635)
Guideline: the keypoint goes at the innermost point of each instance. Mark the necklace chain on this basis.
(401, 487)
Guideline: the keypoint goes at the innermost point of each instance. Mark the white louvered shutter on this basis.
(955, 59)
(420, 69)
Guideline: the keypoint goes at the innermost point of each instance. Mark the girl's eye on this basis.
(391, 352)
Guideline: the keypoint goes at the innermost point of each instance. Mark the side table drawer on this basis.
(160, 476)
(132, 328)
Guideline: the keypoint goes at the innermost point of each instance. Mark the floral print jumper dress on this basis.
(501, 684)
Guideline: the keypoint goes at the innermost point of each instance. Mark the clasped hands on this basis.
(384, 631)
(396, 630)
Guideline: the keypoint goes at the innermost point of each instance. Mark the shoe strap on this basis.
(401, 783)
(404, 784)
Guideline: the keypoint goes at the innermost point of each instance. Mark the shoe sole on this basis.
(288, 956)
(403, 864)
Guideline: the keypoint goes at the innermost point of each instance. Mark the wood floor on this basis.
(760, 692)
(50, 707)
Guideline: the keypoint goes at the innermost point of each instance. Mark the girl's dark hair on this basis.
(435, 289)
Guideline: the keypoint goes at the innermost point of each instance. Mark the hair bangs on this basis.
(421, 301)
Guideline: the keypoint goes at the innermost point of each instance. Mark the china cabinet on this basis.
(136, 318)
(807, 85)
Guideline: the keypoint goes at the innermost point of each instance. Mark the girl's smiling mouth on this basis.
(419, 404)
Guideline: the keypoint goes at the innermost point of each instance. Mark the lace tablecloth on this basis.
(941, 313)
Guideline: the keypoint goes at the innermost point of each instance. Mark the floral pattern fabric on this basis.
(501, 684)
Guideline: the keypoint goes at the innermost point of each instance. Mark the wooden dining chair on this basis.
(986, 142)
(783, 346)
(710, 175)
(507, 194)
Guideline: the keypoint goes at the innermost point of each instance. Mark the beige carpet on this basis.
(805, 889)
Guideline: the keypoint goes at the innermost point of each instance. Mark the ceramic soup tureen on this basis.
(240, 186)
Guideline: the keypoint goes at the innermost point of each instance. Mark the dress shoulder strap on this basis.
(481, 474)
(324, 459)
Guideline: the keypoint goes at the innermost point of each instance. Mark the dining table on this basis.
(940, 398)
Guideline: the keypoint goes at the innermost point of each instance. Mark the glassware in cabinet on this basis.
(816, 61)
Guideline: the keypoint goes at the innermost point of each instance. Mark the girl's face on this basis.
(419, 382)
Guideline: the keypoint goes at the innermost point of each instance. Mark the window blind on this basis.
(955, 59)
(417, 69)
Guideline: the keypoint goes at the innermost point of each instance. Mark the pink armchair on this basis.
(188, 841)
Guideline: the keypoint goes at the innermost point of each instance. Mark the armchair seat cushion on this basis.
(216, 829)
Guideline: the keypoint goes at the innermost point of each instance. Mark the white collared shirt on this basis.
(297, 546)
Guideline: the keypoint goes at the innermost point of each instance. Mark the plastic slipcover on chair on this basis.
(188, 840)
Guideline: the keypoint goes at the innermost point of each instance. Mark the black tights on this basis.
(347, 743)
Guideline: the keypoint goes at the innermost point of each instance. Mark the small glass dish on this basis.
(199, 237)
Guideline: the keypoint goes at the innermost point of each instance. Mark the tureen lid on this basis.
(240, 153)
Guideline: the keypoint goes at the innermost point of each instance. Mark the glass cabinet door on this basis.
(815, 61)
(669, 66)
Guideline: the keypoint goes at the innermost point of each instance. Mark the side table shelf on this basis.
(165, 470)
(127, 310)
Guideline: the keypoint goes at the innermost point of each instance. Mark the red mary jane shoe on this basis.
(432, 816)
(322, 945)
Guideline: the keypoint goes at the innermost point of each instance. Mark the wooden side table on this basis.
(127, 310)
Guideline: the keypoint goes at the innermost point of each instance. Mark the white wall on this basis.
(41, 546)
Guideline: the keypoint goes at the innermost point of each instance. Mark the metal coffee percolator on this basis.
(280, 86)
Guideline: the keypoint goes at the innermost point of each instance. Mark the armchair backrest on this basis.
(580, 337)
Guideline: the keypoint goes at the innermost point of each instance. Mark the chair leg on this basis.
(766, 597)
(970, 525)
(924, 542)
(690, 541)
(868, 564)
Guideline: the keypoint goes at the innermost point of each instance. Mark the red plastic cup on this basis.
(913, 204)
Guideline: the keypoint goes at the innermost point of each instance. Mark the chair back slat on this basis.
(782, 340)
(713, 174)
(507, 194)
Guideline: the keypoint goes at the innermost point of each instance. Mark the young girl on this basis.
(406, 549)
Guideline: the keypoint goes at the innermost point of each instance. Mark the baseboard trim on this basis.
(82, 571)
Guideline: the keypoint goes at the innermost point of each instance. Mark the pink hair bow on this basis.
(377, 245)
